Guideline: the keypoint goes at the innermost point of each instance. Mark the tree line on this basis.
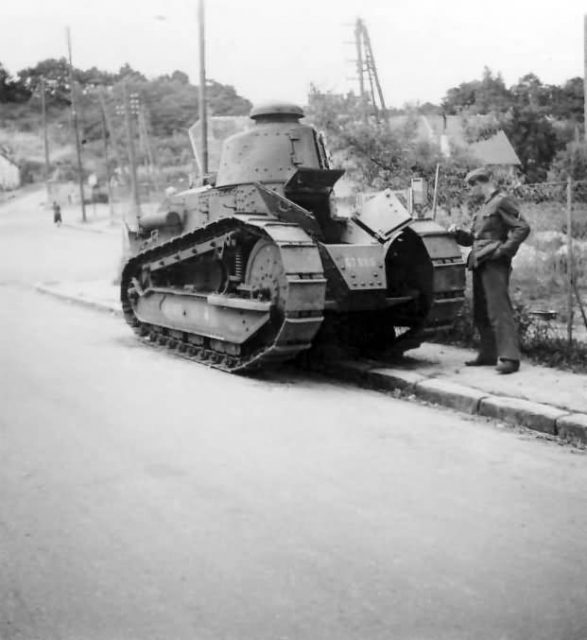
(171, 100)
(165, 107)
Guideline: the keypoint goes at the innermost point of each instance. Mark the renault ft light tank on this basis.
(258, 266)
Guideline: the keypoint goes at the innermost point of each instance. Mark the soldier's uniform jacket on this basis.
(497, 231)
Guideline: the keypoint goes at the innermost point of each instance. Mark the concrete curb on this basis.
(78, 227)
(452, 394)
(573, 428)
(96, 305)
(519, 412)
(568, 426)
(88, 228)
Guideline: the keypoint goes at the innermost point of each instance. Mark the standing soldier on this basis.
(497, 231)
(56, 214)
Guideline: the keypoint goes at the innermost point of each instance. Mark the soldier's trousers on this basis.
(493, 313)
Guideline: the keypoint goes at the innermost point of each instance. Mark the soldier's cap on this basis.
(478, 175)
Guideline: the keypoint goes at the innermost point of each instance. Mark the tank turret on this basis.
(272, 150)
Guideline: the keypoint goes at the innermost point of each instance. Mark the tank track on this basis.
(300, 322)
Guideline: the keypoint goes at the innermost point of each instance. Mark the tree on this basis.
(568, 101)
(570, 161)
(491, 94)
(11, 90)
(479, 96)
(530, 92)
(55, 72)
(428, 108)
(126, 72)
(480, 127)
(5, 82)
(332, 112)
(180, 76)
(173, 105)
(224, 100)
(534, 139)
(459, 98)
(95, 77)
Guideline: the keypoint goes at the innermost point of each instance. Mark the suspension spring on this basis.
(238, 264)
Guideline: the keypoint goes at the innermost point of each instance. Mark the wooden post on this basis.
(105, 135)
(45, 140)
(361, 67)
(75, 128)
(585, 74)
(580, 303)
(435, 199)
(151, 165)
(202, 94)
(372, 68)
(134, 184)
(113, 138)
(569, 261)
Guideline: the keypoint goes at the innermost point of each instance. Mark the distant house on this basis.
(9, 171)
(449, 132)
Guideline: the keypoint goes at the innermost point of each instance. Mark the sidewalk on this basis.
(539, 398)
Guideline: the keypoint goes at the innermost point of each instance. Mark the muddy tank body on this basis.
(258, 266)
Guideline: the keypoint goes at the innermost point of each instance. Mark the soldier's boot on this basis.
(506, 366)
(487, 356)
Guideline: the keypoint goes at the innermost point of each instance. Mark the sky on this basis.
(275, 49)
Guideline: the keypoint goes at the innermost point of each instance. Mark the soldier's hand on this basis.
(453, 229)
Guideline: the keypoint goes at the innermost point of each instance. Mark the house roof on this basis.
(5, 153)
(496, 150)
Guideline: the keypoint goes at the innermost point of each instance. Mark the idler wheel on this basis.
(265, 274)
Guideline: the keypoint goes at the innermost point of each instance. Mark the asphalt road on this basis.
(145, 497)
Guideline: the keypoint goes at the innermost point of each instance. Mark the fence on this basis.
(557, 212)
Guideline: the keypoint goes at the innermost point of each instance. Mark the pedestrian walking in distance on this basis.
(57, 214)
(497, 231)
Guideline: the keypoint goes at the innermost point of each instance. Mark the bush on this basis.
(31, 171)
(541, 341)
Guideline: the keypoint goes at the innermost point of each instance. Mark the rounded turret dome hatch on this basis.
(277, 111)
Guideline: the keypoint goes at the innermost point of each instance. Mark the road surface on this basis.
(146, 497)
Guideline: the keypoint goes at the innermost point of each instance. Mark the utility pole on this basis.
(585, 75)
(146, 143)
(112, 137)
(136, 206)
(570, 262)
(360, 69)
(202, 94)
(75, 128)
(45, 139)
(106, 155)
(372, 69)
(366, 65)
